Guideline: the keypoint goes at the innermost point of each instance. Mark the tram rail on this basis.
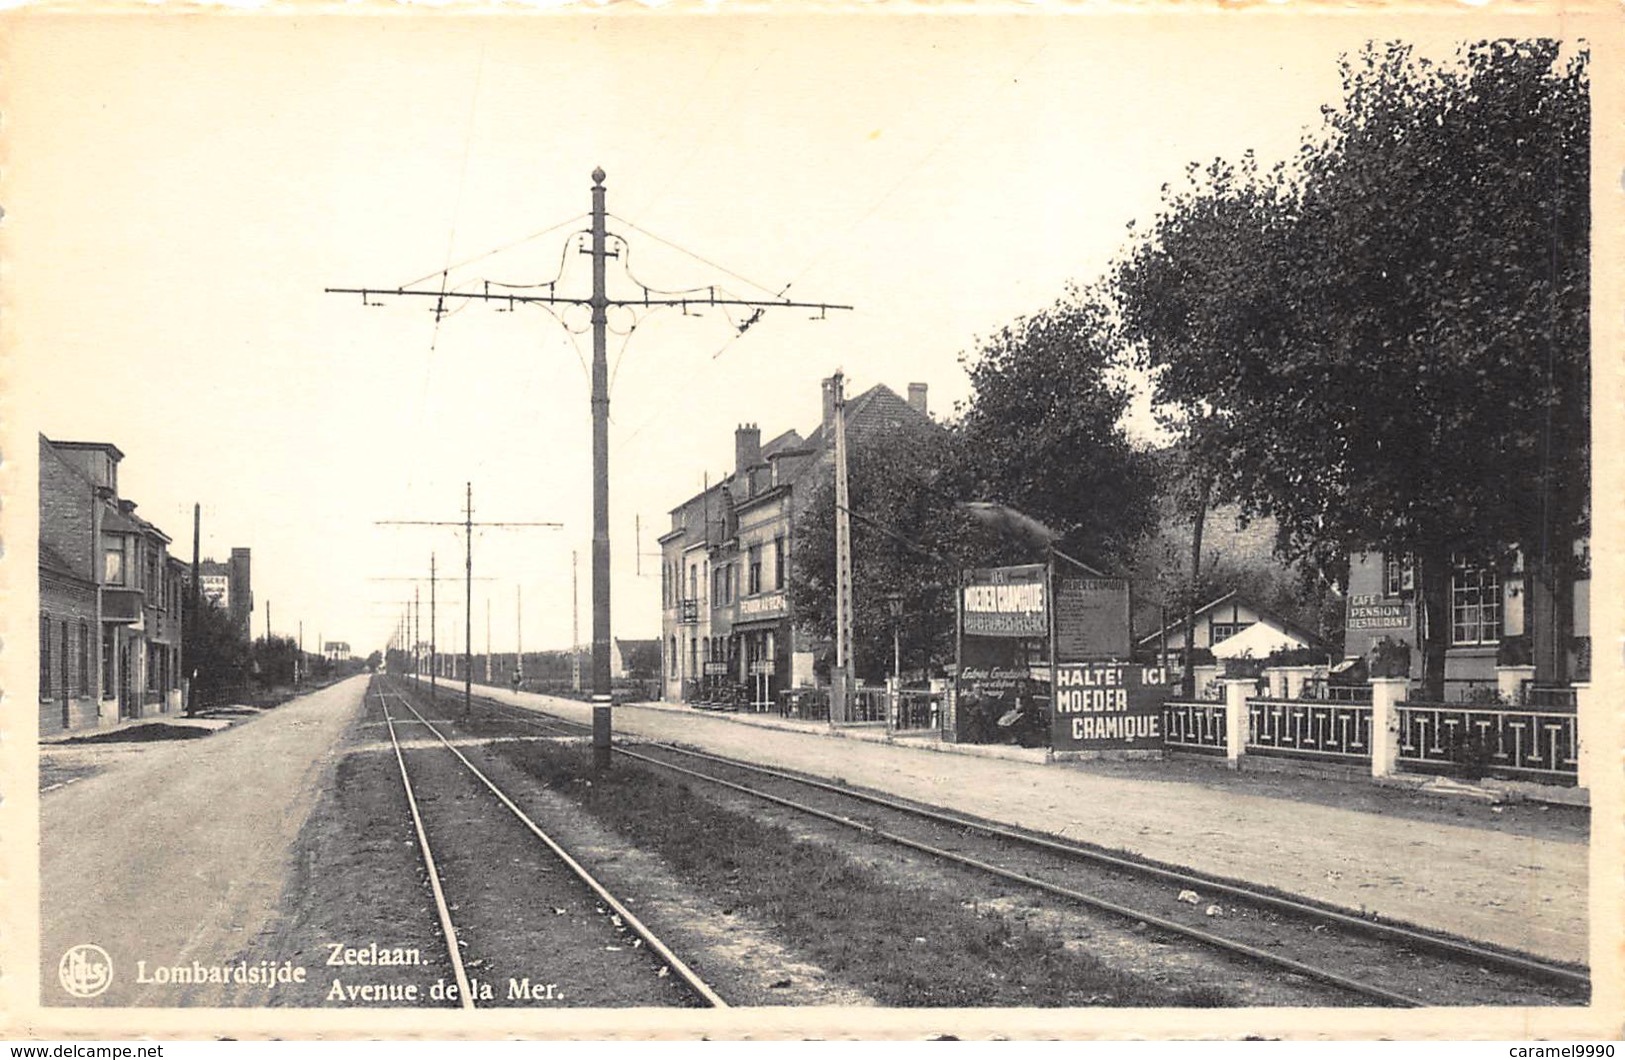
(1553, 983)
(648, 940)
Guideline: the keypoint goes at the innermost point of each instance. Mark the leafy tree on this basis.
(373, 662)
(1385, 346)
(1042, 430)
(909, 536)
(273, 660)
(216, 655)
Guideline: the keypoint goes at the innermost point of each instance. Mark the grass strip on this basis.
(909, 946)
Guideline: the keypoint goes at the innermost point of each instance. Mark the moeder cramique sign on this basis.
(1005, 602)
(1109, 706)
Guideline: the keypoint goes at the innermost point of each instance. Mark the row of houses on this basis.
(726, 613)
(726, 616)
(111, 597)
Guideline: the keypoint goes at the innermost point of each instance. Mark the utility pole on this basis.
(599, 303)
(519, 630)
(841, 700)
(189, 640)
(575, 636)
(487, 640)
(434, 653)
(417, 631)
(467, 524)
(299, 659)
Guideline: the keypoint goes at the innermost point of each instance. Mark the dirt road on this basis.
(175, 858)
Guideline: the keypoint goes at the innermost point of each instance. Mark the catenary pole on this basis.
(598, 303)
(601, 698)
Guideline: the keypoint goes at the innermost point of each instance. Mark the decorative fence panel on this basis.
(804, 704)
(1194, 725)
(917, 711)
(1526, 742)
(1309, 728)
(866, 706)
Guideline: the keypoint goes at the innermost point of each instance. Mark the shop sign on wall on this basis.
(1371, 611)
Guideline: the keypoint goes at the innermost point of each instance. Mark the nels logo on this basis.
(85, 970)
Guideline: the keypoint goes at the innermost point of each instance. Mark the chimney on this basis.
(829, 411)
(916, 397)
(747, 448)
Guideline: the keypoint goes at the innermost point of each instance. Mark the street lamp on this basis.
(894, 604)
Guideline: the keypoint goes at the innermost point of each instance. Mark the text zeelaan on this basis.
(340, 955)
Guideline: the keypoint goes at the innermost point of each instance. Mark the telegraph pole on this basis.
(434, 652)
(843, 562)
(575, 638)
(467, 524)
(599, 302)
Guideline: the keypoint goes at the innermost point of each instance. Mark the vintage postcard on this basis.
(840, 521)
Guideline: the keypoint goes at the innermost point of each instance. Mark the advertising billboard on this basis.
(1005, 602)
(1108, 706)
(1091, 618)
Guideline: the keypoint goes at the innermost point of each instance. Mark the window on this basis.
(109, 689)
(1226, 630)
(84, 658)
(44, 657)
(1398, 575)
(113, 568)
(693, 582)
(754, 575)
(778, 562)
(674, 660)
(693, 655)
(1475, 604)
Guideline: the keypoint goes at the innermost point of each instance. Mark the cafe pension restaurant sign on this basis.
(1006, 602)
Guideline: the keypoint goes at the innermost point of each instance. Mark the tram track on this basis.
(667, 974)
(1357, 955)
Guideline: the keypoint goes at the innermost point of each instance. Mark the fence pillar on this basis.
(1584, 724)
(1236, 690)
(1386, 692)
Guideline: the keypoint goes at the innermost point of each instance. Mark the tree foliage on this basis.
(1385, 345)
(216, 655)
(1042, 431)
(909, 537)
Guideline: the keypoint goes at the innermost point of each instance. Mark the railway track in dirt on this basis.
(567, 941)
(1363, 959)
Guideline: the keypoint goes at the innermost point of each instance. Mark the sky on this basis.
(180, 191)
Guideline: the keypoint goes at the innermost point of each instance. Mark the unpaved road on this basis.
(180, 853)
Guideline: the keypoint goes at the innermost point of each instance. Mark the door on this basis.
(126, 704)
(67, 702)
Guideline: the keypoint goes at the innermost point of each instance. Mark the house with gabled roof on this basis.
(1231, 625)
(726, 624)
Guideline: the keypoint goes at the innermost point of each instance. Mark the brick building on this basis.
(726, 610)
(110, 633)
(1489, 623)
(229, 586)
